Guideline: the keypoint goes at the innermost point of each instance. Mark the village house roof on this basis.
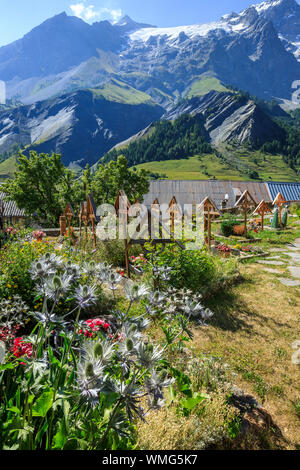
(194, 191)
(290, 191)
(10, 207)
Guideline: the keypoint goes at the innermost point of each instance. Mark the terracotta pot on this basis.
(238, 229)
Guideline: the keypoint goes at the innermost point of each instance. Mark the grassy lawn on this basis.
(254, 327)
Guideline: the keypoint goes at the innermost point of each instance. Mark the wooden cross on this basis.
(82, 217)
(122, 213)
(82, 212)
(92, 215)
(174, 211)
(279, 201)
(262, 209)
(209, 210)
(246, 201)
(69, 213)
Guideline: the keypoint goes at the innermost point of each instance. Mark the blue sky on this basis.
(17, 17)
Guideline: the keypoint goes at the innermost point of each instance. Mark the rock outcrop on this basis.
(230, 117)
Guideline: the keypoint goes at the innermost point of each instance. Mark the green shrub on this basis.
(295, 208)
(16, 257)
(197, 270)
(227, 226)
(113, 252)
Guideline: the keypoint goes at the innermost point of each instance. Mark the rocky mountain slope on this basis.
(230, 118)
(81, 126)
(94, 86)
(285, 16)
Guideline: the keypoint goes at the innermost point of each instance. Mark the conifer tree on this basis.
(284, 218)
(275, 220)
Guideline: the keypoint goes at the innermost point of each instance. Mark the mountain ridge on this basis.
(258, 44)
(145, 71)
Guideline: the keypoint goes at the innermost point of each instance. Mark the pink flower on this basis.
(38, 235)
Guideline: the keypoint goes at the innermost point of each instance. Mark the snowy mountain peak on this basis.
(273, 4)
(284, 14)
(129, 24)
(124, 21)
(229, 24)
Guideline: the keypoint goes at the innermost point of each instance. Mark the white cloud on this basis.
(77, 9)
(115, 15)
(90, 12)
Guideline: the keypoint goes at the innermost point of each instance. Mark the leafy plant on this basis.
(76, 384)
(227, 226)
(195, 270)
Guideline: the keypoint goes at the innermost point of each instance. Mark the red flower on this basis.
(94, 325)
(119, 337)
(21, 348)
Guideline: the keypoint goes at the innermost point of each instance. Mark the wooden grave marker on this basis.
(262, 209)
(174, 211)
(245, 202)
(82, 218)
(210, 210)
(69, 213)
(1, 215)
(279, 201)
(65, 220)
(92, 216)
(122, 213)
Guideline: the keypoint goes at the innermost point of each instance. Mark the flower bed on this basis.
(224, 250)
(80, 384)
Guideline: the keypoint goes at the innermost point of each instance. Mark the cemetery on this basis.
(169, 339)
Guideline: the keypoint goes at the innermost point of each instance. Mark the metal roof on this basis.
(290, 191)
(193, 192)
(10, 208)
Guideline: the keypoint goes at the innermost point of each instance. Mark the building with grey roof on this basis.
(194, 191)
(9, 211)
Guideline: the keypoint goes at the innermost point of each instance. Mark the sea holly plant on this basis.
(12, 312)
(64, 389)
(178, 303)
